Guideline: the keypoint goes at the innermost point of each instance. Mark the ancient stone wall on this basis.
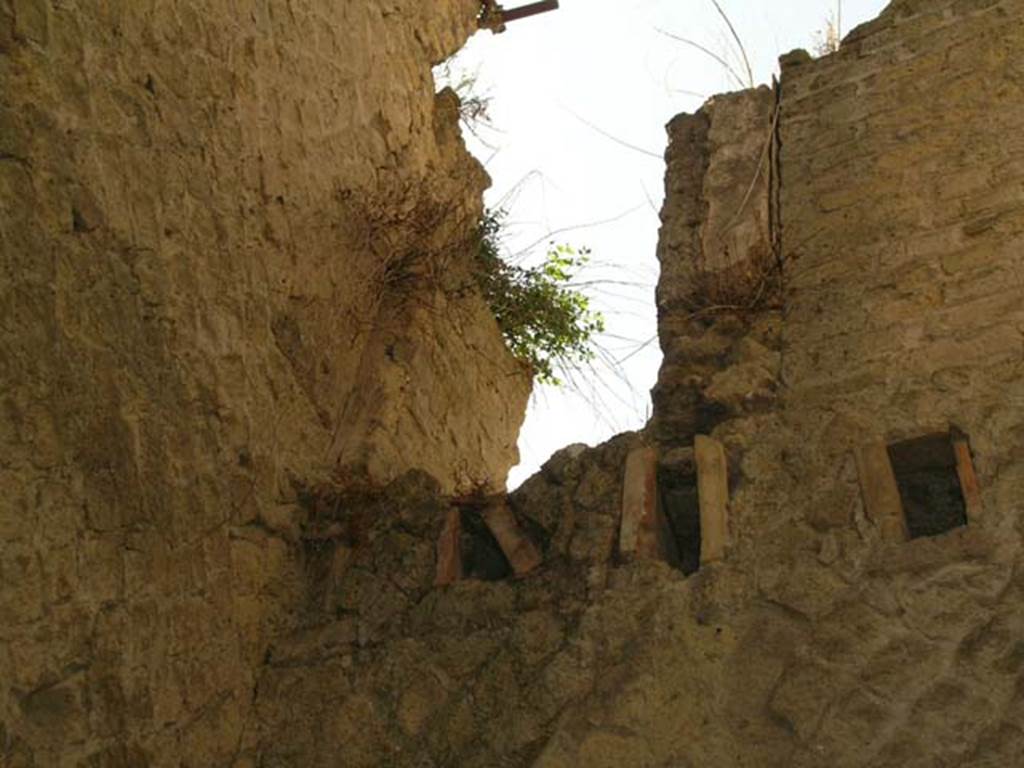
(233, 248)
(904, 242)
(718, 294)
(389, 669)
(862, 228)
(900, 213)
(890, 204)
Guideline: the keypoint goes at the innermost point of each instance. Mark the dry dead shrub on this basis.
(415, 235)
(752, 281)
(750, 285)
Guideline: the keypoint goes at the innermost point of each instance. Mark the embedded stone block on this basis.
(644, 529)
(522, 554)
(713, 494)
(449, 551)
(880, 491)
(968, 478)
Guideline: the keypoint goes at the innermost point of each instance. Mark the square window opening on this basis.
(929, 484)
(482, 557)
(680, 503)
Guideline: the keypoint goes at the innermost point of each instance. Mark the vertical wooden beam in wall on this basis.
(449, 550)
(644, 531)
(521, 553)
(968, 478)
(881, 494)
(713, 494)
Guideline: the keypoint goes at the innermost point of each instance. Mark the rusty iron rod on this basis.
(532, 9)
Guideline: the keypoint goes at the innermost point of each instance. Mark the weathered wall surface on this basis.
(903, 200)
(231, 256)
(893, 197)
(719, 260)
(901, 218)
(897, 210)
(390, 670)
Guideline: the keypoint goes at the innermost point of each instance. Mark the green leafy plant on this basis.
(544, 319)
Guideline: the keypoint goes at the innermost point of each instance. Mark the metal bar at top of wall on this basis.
(529, 10)
(494, 16)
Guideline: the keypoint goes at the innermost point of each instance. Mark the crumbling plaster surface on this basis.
(233, 245)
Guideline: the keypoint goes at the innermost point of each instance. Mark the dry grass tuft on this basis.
(752, 285)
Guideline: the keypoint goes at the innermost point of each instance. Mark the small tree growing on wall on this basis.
(545, 321)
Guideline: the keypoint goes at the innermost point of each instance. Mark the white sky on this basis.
(603, 62)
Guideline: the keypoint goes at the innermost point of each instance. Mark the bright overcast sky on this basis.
(556, 82)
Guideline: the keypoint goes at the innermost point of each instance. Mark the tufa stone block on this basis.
(881, 494)
(449, 551)
(644, 529)
(521, 553)
(713, 493)
(968, 478)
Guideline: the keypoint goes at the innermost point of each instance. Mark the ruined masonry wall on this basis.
(903, 201)
(142, 634)
(220, 224)
(899, 197)
(901, 215)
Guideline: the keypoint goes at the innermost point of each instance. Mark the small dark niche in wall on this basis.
(709, 415)
(482, 557)
(929, 485)
(78, 222)
(678, 498)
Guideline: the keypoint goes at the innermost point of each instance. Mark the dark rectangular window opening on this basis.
(482, 557)
(929, 484)
(678, 498)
